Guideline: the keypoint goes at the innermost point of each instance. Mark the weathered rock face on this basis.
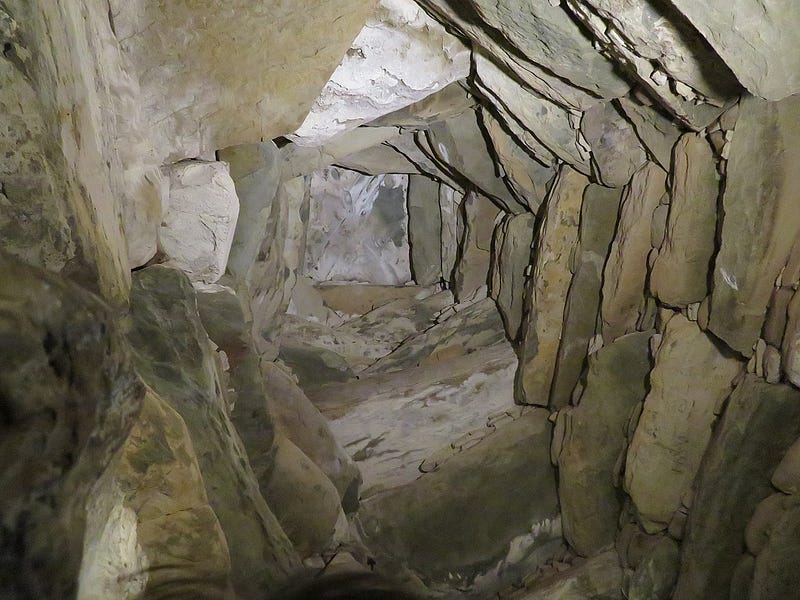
(69, 398)
(547, 289)
(477, 218)
(759, 228)
(761, 421)
(358, 228)
(174, 356)
(195, 102)
(767, 68)
(425, 230)
(590, 437)
(513, 238)
(676, 421)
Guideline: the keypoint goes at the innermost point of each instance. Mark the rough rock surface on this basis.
(424, 230)
(760, 422)
(675, 426)
(513, 238)
(617, 152)
(477, 217)
(590, 437)
(199, 220)
(70, 398)
(755, 40)
(680, 273)
(758, 229)
(598, 577)
(174, 356)
(625, 272)
(547, 288)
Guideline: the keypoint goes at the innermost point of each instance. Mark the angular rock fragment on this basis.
(679, 276)
(554, 246)
(657, 132)
(759, 424)
(675, 426)
(760, 223)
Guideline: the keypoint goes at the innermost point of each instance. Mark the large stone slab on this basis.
(556, 241)
(756, 40)
(761, 219)
(598, 220)
(477, 217)
(542, 32)
(424, 230)
(212, 79)
(675, 426)
(625, 272)
(174, 356)
(657, 132)
(492, 503)
(760, 422)
(593, 439)
(776, 575)
(401, 56)
(199, 221)
(70, 398)
(680, 273)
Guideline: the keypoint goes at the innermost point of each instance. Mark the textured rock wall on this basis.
(618, 176)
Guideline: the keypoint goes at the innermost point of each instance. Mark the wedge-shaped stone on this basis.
(617, 152)
(760, 422)
(680, 272)
(554, 247)
(598, 220)
(625, 272)
(512, 243)
(761, 218)
(594, 437)
(757, 40)
(675, 425)
(657, 132)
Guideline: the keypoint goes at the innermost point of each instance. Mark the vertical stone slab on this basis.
(174, 356)
(759, 424)
(424, 229)
(594, 437)
(625, 272)
(690, 378)
(477, 218)
(449, 199)
(512, 247)
(761, 218)
(554, 248)
(598, 220)
(680, 272)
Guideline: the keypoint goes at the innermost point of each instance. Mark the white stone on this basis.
(199, 221)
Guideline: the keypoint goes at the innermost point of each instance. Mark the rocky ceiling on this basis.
(497, 299)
